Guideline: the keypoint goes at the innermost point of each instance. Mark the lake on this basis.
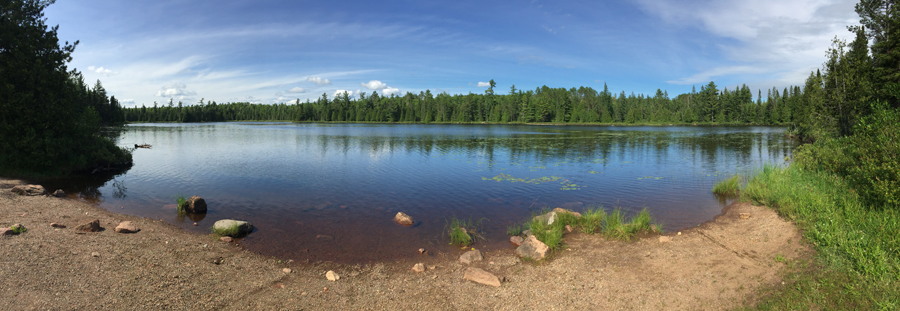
(330, 191)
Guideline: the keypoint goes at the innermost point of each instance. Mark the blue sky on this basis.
(280, 51)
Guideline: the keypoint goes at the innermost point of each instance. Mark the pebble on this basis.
(226, 239)
(56, 225)
(331, 276)
(286, 270)
(418, 268)
(95, 254)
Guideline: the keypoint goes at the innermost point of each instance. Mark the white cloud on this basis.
(101, 70)
(390, 90)
(374, 85)
(339, 92)
(297, 90)
(127, 101)
(771, 38)
(318, 80)
(175, 90)
(483, 84)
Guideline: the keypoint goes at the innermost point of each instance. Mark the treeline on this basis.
(544, 104)
(50, 120)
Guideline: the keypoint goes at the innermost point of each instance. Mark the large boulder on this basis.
(127, 227)
(403, 219)
(232, 228)
(482, 277)
(471, 256)
(533, 248)
(29, 190)
(93, 226)
(195, 205)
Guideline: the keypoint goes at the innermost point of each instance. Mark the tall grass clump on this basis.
(728, 186)
(859, 250)
(181, 204)
(549, 234)
(462, 232)
(592, 220)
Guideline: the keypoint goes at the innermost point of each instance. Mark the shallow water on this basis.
(330, 191)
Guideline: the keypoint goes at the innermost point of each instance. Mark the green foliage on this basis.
(728, 186)
(869, 160)
(50, 120)
(18, 229)
(857, 244)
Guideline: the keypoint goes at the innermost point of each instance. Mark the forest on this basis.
(543, 104)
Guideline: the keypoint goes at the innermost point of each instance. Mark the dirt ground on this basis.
(718, 265)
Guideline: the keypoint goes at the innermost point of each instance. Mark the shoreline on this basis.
(719, 264)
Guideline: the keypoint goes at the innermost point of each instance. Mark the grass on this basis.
(728, 186)
(463, 232)
(181, 202)
(594, 220)
(858, 250)
(514, 229)
(18, 229)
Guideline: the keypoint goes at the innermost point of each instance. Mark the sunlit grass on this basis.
(728, 186)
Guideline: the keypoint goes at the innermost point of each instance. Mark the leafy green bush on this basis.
(869, 160)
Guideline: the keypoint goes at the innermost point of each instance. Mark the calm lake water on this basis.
(330, 191)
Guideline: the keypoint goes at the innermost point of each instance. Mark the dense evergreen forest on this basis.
(50, 119)
(544, 104)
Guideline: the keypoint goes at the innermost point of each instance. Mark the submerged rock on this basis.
(548, 218)
(196, 205)
(471, 256)
(403, 219)
(29, 190)
(232, 228)
(481, 277)
(533, 248)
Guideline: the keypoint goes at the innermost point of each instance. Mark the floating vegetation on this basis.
(650, 177)
(595, 172)
(510, 178)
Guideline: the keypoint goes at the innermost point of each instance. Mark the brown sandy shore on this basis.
(721, 264)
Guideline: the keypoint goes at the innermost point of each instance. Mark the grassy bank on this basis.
(858, 249)
(592, 221)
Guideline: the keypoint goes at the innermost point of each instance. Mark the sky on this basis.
(279, 51)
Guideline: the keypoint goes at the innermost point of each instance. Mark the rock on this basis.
(195, 205)
(56, 225)
(482, 277)
(7, 231)
(331, 276)
(569, 228)
(418, 268)
(533, 248)
(745, 215)
(527, 233)
(471, 256)
(93, 226)
(286, 270)
(29, 190)
(548, 218)
(403, 219)
(422, 251)
(516, 240)
(127, 227)
(665, 239)
(232, 228)
(95, 254)
(560, 210)
(59, 193)
(226, 239)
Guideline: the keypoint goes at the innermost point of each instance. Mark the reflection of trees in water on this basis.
(119, 189)
(567, 145)
(88, 186)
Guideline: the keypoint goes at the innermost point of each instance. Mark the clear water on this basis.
(330, 191)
